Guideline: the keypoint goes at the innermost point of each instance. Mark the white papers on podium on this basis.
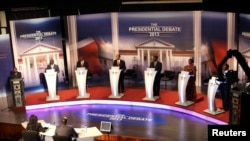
(184, 73)
(81, 70)
(150, 69)
(50, 71)
(115, 68)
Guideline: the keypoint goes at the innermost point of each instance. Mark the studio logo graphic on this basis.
(123, 118)
(38, 35)
(155, 30)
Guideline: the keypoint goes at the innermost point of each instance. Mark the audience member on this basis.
(34, 125)
(65, 130)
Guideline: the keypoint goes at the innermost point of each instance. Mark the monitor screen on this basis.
(105, 126)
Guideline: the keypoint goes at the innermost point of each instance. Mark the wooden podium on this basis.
(17, 90)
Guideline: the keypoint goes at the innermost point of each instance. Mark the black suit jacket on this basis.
(85, 64)
(56, 67)
(158, 67)
(15, 75)
(65, 130)
(122, 65)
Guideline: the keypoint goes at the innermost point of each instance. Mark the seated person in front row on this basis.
(34, 124)
(65, 130)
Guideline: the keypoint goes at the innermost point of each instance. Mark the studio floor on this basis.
(130, 115)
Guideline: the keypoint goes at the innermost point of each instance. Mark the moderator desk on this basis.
(88, 135)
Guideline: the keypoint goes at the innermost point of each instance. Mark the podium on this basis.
(182, 85)
(213, 85)
(17, 89)
(149, 77)
(114, 74)
(51, 80)
(81, 77)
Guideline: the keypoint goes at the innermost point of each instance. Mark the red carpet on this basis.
(167, 97)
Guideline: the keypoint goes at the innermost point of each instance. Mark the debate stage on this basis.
(163, 114)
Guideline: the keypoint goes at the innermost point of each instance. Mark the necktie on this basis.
(118, 62)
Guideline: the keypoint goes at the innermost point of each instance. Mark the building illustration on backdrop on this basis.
(34, 60)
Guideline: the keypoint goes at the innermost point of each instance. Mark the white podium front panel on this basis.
(182, 85)
(51, 81)
(114, 75)
(213, 85)
(81, 77)
(149, 77)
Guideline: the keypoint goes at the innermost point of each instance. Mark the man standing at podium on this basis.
(15, 74)
(122, 66)
(83, 63)
(157, 81)
(54, 66)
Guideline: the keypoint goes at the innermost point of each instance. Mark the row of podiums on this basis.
(114, 73)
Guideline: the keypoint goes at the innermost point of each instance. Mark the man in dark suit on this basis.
(54, 66)
(65, 130)
(15, 74)
(157, 81)
(83, 63)
(225, 87)
(122, 66)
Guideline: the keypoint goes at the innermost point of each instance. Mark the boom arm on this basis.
(241, 60)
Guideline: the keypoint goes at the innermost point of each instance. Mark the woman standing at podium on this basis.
(191, 88)
(122, 66)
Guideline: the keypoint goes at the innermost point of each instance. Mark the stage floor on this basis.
(162, 120)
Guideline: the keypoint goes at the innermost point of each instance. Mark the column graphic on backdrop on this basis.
(34, 45)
